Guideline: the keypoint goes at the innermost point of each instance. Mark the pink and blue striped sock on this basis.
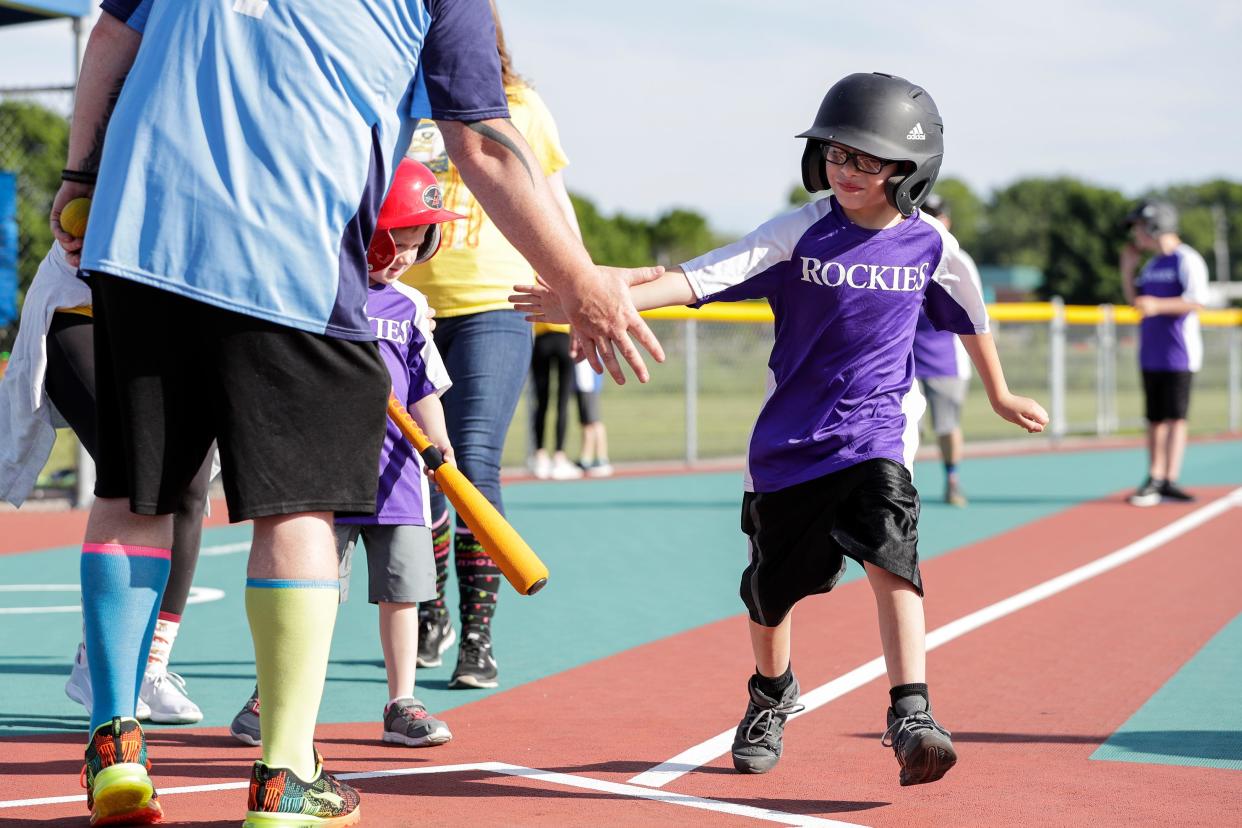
(122, 587)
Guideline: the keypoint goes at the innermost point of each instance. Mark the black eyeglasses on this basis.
(863, 163)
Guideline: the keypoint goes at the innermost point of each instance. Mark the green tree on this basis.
(679, 235)
(1070, 230)
(33, 143)
(798, 196)
(968, 211)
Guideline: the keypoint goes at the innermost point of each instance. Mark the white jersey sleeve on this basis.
(770, 244)
(1194, 275)
(955, 295)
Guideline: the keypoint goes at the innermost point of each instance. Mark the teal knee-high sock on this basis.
(121, 591)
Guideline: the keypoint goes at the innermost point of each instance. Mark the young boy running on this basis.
(828, 467)
(401, 564)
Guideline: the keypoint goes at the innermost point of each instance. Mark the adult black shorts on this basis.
(800, 536)
(299, 417)
(1168, 395)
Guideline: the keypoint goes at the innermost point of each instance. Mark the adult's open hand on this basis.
(604, 318)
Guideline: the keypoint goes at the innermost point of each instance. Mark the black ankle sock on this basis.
(774, 687)
(909, 698)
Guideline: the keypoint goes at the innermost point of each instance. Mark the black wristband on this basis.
(78, 176)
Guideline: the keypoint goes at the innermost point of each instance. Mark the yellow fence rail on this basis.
(751, 312)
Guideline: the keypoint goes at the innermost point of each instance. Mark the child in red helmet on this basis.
(401, 566)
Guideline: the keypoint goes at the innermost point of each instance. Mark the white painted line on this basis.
(224, 549)
(708, 751)
(198, 595)
(546, 777)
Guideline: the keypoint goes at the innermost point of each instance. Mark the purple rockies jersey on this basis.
(398, 317)
(846, 302)
(940, 353)
(1173, 343)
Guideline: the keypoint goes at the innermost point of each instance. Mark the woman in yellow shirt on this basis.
(486, 346)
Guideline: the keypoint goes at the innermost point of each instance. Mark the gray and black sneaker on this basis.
(924, 749)
(407, 722)
(1172, 492)
(1148, 494)
(435, 635)
(475, 665)
(245, 725)
(758, 742)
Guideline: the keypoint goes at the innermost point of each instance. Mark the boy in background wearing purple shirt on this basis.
(1171, 287)
(827, 472)
(943, 367)
(401, 566)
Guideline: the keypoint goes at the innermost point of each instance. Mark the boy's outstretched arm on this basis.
(1021, 411)
(541, 304)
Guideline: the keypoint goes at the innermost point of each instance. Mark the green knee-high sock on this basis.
(291, 623)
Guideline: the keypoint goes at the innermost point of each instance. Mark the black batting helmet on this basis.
(885, 116)
(1156, 217)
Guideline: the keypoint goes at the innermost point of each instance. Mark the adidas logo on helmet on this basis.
(916, 134)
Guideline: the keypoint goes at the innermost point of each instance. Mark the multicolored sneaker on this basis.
(407, 722)
(435, 635)
(245, 725)
(759, 739)
(118, 789)
(924, 749)
(279, 798)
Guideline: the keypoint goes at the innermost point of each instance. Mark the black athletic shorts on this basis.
(801, 536)
(1168, 395)
(299, 417)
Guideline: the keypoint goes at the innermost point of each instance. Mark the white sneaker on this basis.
(541, 466)
(164, 695)
(564, 469)
(78, 687)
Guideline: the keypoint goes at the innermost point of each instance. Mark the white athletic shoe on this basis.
(78, 687)
(163, 694)
(565, 469)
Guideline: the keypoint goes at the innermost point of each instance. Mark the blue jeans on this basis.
(488, 357)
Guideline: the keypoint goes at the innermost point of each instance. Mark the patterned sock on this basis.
(121, 590)
(441, 535)
(291, 622)
(161, 643)
(478, 580)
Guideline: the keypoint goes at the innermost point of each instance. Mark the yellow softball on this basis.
(73, 217)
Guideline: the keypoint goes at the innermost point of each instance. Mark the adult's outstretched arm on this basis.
(498, 166)
(109, 54)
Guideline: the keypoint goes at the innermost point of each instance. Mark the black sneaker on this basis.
(475, 665)
(1170, 491)
(924, 749)
(435, 635)
(758, 743)
(1146, 495)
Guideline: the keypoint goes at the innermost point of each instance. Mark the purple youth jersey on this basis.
(846, 301)
(940, 353)
(398, 317)
(1173, 343)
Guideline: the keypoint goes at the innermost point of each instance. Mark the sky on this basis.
(694, 103)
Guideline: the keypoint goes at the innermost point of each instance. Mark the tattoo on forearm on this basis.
(505, 141)
(91, 162)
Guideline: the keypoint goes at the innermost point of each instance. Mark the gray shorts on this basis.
(401, 566)
(945, 396)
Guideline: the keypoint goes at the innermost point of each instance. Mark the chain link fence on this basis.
(702, 402)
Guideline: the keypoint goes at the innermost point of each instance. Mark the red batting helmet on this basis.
(413, 200)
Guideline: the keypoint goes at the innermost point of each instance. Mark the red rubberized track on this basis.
(1029, 697)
